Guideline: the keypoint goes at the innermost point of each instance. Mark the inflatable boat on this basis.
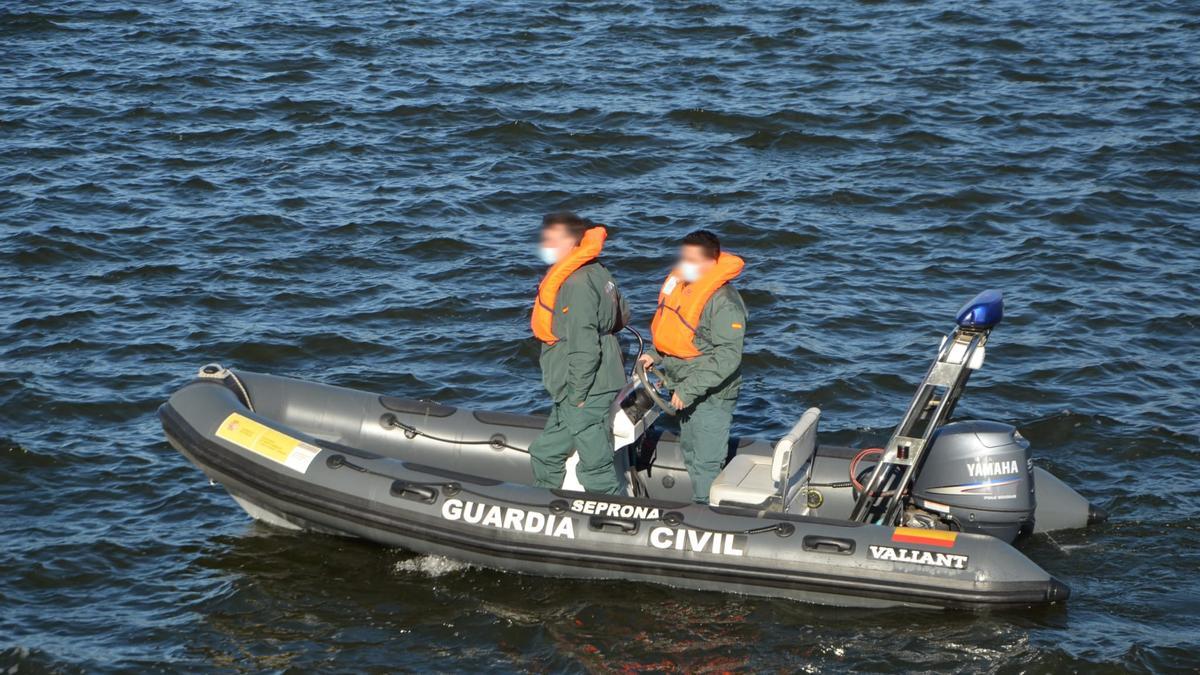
(928, 520)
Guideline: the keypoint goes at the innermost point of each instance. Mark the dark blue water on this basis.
(350, 192)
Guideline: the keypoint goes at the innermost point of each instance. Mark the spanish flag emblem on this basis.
(916, 535)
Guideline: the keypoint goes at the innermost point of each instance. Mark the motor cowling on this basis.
(978, 476)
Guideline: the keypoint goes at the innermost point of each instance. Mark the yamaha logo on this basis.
(984, 468)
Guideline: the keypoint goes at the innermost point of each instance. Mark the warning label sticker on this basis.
(263, 440)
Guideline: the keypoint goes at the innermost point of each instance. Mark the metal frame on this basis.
(932, 405)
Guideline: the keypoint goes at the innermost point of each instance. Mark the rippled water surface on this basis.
(349, 193)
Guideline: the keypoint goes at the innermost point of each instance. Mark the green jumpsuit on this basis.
(582, 371)
(709, 385)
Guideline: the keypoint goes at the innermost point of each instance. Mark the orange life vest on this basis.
(680, 305)
(588, 249)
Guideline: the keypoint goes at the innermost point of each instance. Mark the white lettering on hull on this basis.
(919, 557)
(697, 541)
(591, 508)
(508, 518)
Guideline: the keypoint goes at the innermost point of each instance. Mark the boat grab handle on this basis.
(610, 524)
(821, 544)
(416, 493)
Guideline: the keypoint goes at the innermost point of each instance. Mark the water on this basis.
(350, 193)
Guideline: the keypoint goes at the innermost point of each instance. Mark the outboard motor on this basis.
(977, 477)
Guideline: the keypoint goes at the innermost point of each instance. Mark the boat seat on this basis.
(768, 482)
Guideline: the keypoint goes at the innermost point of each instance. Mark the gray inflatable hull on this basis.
(439, 480)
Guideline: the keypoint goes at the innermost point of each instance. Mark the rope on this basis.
(241, 388)
(412, 431)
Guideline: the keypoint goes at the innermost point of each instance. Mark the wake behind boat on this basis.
(928, 520)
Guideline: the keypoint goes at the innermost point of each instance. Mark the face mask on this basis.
(548, 255)
(689, 271)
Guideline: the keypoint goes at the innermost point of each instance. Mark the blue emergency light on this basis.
(984, 311)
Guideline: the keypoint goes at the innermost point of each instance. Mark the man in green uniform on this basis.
(698, 349)
(576, 316)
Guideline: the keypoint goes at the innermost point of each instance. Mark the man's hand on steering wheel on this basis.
(677, 402)
(656, 388)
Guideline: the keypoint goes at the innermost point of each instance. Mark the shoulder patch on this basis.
(735, 325)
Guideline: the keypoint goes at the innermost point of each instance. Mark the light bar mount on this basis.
(884, 493)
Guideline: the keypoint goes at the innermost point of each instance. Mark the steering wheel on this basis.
(655, 387)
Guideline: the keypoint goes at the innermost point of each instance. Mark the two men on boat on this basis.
(698, 331)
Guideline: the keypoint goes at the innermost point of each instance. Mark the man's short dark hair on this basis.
(705, 240)
(574, 223)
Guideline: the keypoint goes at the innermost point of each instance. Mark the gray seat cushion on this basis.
(745, 480)
(755, 480)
